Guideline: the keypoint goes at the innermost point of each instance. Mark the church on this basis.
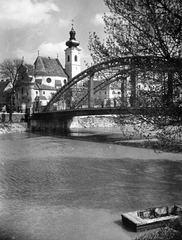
(47, 76)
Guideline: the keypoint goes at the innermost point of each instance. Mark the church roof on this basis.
(49, 67)
(3, 87)
(39, 98)
(38, 86)
(72, 42)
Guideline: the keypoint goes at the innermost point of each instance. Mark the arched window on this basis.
(76, 58)
(68, 58)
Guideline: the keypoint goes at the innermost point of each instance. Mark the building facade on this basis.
(47, 76)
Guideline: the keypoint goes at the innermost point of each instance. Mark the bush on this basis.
(176, 224)
(165, 233)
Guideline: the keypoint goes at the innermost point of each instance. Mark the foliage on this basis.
(148, 28)
(152, 27)
(172, 231)
(12, 71)
(165, 233)
(9, 70)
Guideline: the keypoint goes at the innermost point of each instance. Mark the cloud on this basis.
(98, 19)
(52, 49)
(20, 13)
(45, 49)
(29, 57)
(63, 23)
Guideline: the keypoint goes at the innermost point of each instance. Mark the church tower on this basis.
(72, 55)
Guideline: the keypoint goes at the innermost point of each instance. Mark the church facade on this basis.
(47, 76)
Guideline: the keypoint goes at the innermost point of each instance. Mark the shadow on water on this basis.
(87, 135)
(120, 224)
(9, 234)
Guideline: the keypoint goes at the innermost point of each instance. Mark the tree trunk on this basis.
(11, 107)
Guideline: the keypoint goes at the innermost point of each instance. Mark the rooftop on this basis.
(49, 67)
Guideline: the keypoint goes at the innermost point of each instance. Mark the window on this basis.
(64, 81)
(44, 92)
(68, 58)
(48, 80)
(36, 92)
(76, 58)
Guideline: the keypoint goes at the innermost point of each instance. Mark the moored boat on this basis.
(150, 218)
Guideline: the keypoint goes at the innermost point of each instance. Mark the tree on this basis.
(146, 28)
(12, 71)
(141, 27)
(152, 27)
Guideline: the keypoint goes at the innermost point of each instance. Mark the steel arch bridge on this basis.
(116, 69)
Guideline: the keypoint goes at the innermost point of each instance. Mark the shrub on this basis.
(165, 233)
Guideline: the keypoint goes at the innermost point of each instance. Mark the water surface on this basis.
(62, 188)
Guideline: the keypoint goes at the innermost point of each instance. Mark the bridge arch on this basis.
(119, 67)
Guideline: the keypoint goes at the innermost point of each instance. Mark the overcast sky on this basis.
(29, 26)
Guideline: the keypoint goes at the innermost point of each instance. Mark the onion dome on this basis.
(72, 41)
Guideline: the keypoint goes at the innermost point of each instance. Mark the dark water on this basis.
(61, 188)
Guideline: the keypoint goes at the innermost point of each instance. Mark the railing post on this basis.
(90, 92)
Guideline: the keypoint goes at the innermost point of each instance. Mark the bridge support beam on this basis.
(124, 92)
(91, 92)
(133, 97)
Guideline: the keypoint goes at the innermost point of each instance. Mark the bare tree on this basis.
(12, 71)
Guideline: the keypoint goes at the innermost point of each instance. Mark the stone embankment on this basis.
(12, 127)
(93, 122)
(16, 126)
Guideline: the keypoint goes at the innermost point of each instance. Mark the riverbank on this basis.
(109, 135)
(12, 127)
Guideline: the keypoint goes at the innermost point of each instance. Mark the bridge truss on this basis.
(116, 69)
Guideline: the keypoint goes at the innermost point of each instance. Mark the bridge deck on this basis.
(94, 111)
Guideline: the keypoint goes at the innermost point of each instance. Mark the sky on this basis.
(31, 26)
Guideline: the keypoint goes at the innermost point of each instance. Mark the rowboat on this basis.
(150, 218)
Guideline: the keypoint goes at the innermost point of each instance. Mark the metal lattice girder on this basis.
(113, 78)
(143, 63)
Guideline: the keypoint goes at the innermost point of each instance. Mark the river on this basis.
(62, 188)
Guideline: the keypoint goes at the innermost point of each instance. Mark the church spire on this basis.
(72, 42)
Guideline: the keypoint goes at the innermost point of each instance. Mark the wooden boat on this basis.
(150, 218)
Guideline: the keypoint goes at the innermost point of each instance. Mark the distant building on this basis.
(47, 76)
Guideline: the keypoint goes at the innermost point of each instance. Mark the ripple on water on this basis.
(51, 189)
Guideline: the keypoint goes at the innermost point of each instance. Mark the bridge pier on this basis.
(91, 92)
(50, 122)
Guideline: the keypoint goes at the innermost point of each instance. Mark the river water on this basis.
(62, 188)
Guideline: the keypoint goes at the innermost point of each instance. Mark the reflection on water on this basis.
(58, 188)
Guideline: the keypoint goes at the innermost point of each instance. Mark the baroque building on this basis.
(47, 76)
